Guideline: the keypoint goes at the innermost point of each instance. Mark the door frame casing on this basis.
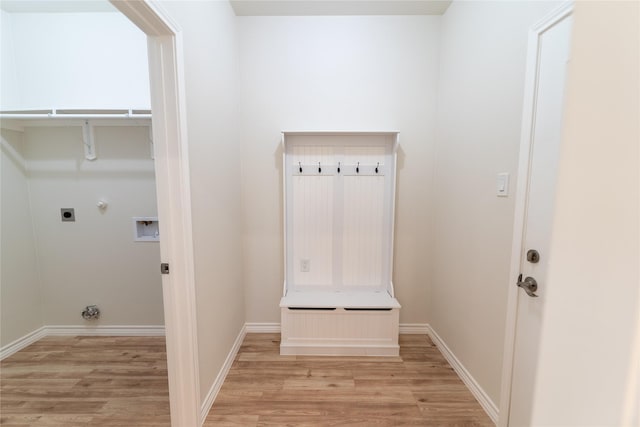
(169, 124)
(522, 193)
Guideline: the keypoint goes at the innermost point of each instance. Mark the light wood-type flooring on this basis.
(419, 388)
(122, 381)
(86, 381)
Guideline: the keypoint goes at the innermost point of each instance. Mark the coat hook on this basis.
(338, 167)
(319, 168)
(358, 168)
(377, 166)
(300, 164)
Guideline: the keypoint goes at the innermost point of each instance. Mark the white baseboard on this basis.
(262, 328)
(74, 330)
(414, 328)
(20, 343)
(274, 328)
(481, 396)
(338, 350)
(222, 375)
(106, 330)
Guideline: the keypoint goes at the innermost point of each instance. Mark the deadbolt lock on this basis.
(533, 256)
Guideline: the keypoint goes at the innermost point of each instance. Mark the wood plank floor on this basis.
(86, 381)
(122, 381)
(419, 388)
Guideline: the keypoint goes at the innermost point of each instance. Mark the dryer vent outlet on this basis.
(91, 312)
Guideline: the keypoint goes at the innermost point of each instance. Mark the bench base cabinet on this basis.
(340, 332)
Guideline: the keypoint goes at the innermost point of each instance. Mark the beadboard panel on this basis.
(312, 154)
(313, 229)
(362, 241)
(338, 190)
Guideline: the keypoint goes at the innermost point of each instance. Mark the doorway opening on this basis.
(173, 205)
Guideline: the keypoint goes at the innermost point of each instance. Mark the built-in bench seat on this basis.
(347, 300)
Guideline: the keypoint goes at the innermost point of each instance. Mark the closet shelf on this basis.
(76, 114)
(19, 119)
(86, 118)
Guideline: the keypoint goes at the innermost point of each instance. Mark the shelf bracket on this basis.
(89, 141)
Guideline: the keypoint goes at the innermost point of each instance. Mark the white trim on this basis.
(478, 392)
(528, 112)
(262, 328)
(20, 343)
(222, 375)
(106, 330)
(339, 132)
(414, 328)
(274, 328)
(147, 15)
(174, 213)
(167, 81)
(338, 350)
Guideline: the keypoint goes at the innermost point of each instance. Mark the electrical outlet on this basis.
(305, 265)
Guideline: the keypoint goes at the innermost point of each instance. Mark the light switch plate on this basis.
(502, 184)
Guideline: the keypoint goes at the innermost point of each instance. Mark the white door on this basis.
(539, 164)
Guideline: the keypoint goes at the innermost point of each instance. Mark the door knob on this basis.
(529, 285)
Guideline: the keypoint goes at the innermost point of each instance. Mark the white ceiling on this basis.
(338, 7)
(254, 7)
(56, 6)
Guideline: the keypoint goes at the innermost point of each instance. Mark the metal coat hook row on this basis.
(377, 166)
(300, 165)
(319, 168)
(358, 168)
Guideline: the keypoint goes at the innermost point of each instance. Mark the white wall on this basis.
(336, 73)
(9, 94)
(481, 86)
(20, 299)
(589, 362)
(211, 74)
(94, 260)
(73, 60)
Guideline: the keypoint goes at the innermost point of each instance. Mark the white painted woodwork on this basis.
(339, 203)
(340, 332)
(540, 147)
(588, 367)
(472, 384)
(353, 299)
(363, 207)
(313, 229)
(166, 75)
